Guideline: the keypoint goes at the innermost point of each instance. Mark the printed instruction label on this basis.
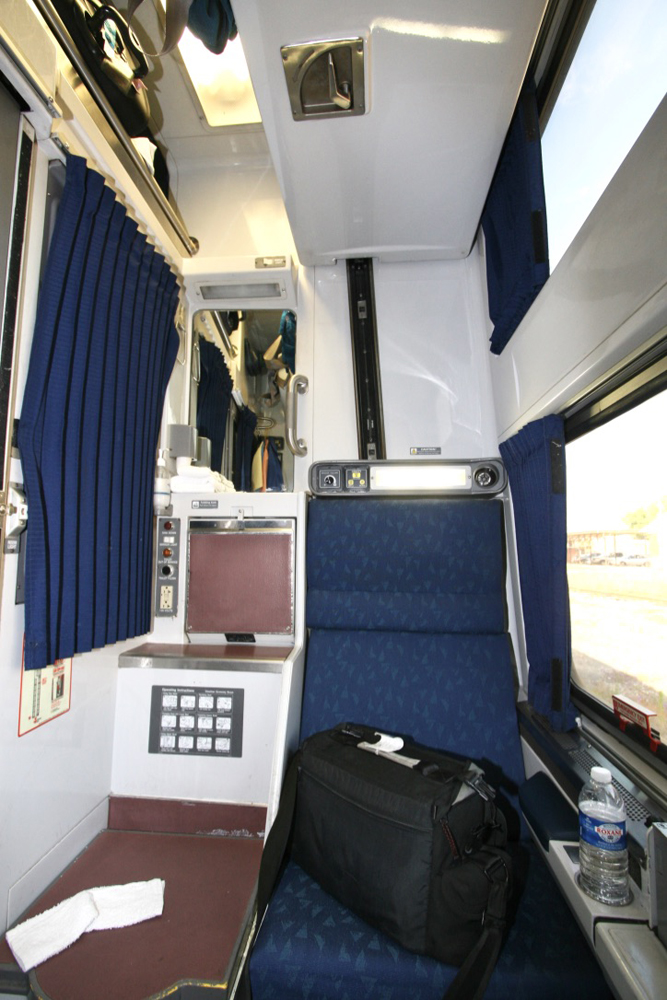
(426, 451)
(204, 504)
(606, 835)
(45, 694)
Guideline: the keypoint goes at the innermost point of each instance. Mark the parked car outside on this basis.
(634, 559)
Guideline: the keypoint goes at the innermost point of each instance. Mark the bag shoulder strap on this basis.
(176, 22)
(473, 976)
(273, 855)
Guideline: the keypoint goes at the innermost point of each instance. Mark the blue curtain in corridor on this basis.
(245, 449)
(213, 398)
(103, 349)
(535, 462)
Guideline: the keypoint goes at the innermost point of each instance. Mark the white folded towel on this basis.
(124, 905)
(103, 908)
(208, 482)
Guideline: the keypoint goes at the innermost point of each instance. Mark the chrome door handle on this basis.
(296, 384)
(336, 96)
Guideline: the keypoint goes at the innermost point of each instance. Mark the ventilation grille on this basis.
(634, 809)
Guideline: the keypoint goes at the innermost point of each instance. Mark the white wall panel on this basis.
(333, 405)
(55, 780)
(230, 199)
(232, 779)
(406, 180)
(433, 345)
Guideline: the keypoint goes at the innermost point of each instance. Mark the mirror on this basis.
(241, 363)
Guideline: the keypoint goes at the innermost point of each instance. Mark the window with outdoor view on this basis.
(617, 559)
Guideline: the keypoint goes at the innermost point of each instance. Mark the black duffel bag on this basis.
(407, 837)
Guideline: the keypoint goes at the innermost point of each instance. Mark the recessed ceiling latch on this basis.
(325, 79)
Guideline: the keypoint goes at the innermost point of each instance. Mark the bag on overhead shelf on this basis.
(212, 21)
(114, 57)
(407, 837)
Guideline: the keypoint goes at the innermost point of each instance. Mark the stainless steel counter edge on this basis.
(140, 661)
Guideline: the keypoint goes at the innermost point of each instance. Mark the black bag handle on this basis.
(473, 976)
(108, 13)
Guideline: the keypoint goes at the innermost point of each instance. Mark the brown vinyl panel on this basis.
(209, 885)
(240, 581)
(213, 819)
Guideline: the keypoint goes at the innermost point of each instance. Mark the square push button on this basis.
(356, 480)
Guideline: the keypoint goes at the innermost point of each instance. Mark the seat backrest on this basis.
(407, 615)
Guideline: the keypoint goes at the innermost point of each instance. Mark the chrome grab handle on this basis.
(296, 384)
(337, 96)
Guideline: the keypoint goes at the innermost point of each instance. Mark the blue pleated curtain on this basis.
(213, 398)
(535, 463)
(515, 224)
(103, 349)
(245, 449)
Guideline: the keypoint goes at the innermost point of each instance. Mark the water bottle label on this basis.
(607, 835)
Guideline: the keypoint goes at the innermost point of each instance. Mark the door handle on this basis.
(336, 96)
(298, 384)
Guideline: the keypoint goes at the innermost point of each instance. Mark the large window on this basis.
(616, 81)
(617, 549)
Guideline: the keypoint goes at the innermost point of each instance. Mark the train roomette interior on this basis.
(333, 391)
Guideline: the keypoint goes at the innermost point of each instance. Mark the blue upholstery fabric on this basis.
(313, 948)
(450, 686)
(374, 565)
(450, 691)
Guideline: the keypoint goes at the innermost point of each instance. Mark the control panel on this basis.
(204, 721)
(167, 564)
(410, 478)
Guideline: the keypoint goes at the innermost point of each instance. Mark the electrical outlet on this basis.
(167, 597)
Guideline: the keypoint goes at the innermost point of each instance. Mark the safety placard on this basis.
(45, 694)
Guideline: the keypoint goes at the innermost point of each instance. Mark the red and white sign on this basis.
(45, 694)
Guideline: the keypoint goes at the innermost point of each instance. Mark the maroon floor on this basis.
(209, 883)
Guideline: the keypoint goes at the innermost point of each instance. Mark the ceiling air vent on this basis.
(325, 79)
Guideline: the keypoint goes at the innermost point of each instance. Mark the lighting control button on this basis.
(356, 479)
(167, 525)
(167, 553)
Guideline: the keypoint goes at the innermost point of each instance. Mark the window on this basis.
(617, 546)
(617, 79)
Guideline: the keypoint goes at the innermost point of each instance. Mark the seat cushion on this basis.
(312, 948)
(455, 692)
(404, 565)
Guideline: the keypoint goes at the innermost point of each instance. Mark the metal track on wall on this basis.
(365, 359)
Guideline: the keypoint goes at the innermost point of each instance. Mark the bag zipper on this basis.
(369, 812)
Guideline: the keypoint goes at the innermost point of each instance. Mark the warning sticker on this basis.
(45, 694)
(426, 451)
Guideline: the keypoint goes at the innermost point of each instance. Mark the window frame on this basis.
(621, 391)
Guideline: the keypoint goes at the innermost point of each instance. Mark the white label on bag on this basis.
(386, 744)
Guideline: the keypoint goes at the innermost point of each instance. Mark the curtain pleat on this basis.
(535, 462)
(245, 443)
(213, 398)
(103, 349)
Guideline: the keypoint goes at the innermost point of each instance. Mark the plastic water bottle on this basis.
(603, 852)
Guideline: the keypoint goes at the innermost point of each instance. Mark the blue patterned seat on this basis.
(407, 615)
